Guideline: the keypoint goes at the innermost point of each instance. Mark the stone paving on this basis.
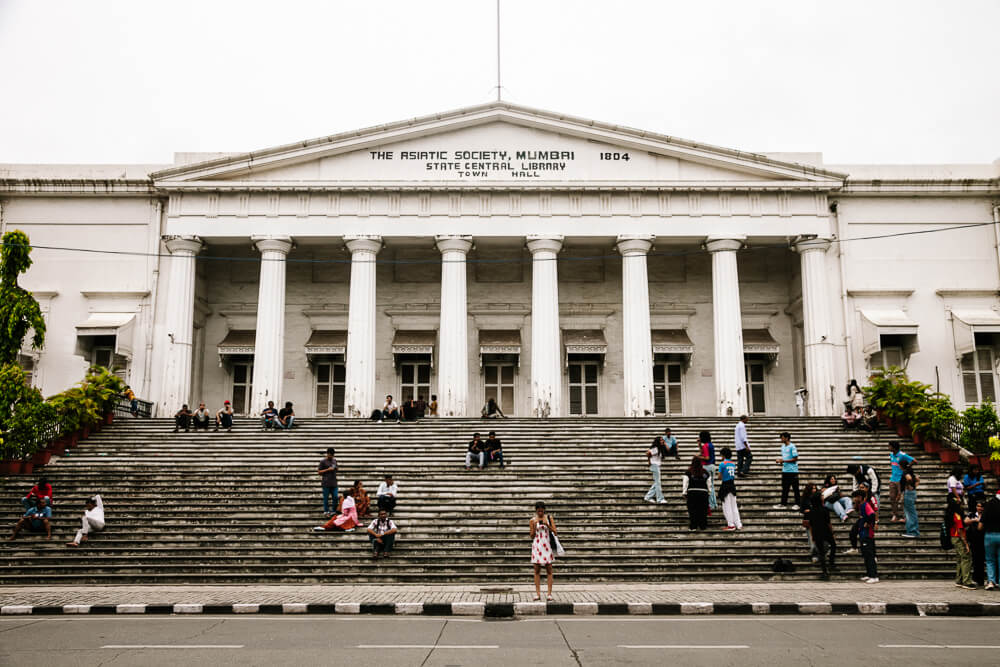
(845, 592)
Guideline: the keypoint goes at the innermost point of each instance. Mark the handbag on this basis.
(557, 548)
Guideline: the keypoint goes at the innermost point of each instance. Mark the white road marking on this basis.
(683, 646)
(198, 646)
(973, 646)
(429, 646)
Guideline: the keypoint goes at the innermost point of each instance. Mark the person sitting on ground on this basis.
(432, 407)
(224, 417)
(869, 420)
(40, 490)
(133, 402)
(864, 474)
(286, 416)
(382, 534)
(975, 490)
(269, 416)
(390, 410)
(361, 499)
(91, 522)
(36, 518)
(491, 410)
(833, 500)
(475, 450)
(182, 419)
(346, 520)
(848, 419)
(494, 449)
(387, 492)
(200, 418)
(817, 517)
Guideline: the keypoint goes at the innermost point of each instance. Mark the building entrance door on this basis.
(330, 389)
(414, 380)
(667, 393)
(583, 387)
(756, 388)
(499, 384)
(242, 389)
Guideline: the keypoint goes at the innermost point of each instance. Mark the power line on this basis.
(484, 260)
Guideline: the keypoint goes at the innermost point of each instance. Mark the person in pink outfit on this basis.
(541, 548)
(346, 520)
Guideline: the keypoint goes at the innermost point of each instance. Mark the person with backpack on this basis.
(817, 518)
(654, 457)
(864, 474)
(695, 490)
(955, 518)
(866, 534)
(707, 454)
(727, 492)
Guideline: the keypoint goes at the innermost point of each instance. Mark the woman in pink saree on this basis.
(346, 520)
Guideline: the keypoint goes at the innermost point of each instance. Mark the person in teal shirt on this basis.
(896, 459)
(789, 471)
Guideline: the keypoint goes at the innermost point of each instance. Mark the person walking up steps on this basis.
(896, 457)
(542, 554)
(743, 455)
(707, 454)
(789, 461)
(727, 492)
(695, 490)
(654, 457)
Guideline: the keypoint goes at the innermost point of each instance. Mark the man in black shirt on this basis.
(182, 420)
(494, 449)
(989, 525)
(328, 471)
(286, 416)
(476, 450)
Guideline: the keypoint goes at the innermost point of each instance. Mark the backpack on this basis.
(944, 535)
(782, 565)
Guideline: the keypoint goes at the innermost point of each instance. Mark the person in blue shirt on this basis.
(975, 491)
(727, 491)
(789, 471)
(269, 416)
(896, 458)
(36, 518)
(671, 443)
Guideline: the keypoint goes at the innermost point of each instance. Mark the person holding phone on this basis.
(542, 554)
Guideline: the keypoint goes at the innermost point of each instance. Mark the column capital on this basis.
(634, 244)
(724, 243)
(542, 243)
(282, 244)
(363, 243)
(183, 244)
(808, 244)
(462, 244)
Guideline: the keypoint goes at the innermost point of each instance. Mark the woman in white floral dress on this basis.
(541, 548)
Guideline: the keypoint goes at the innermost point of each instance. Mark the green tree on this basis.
(19, 311)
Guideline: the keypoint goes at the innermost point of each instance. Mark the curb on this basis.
(519, 609)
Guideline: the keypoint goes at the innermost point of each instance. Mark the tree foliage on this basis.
(19, 312)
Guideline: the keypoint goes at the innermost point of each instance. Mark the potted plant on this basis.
(878, 389)
(979, 425)
(994, 443)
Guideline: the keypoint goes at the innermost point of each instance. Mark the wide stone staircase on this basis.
(238, 508)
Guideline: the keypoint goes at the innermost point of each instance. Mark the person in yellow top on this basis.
(133, 402)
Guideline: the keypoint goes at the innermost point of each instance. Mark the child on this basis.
(727, 492)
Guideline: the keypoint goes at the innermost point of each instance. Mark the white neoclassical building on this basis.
(560, 265)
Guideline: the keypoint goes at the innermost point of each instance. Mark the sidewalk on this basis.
(893, 597)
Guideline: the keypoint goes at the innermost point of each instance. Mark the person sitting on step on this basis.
(286, 416)
(494, 449)
(834, 500)
(387, 493)
(200, 418)
(848, 420)
(346, 520)
(869, 420)
(390, 410)
(36, 518)
(182, 419)
(421, 407)
(475, 450)
(409, 409)
(40, 490)
(382, 534)
(91, 521)
(361, 499)
(491, 410)
(224, 417)
(269, 417)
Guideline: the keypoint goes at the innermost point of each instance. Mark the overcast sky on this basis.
(861, 81)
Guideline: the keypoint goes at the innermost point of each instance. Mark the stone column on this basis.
(269, 345)
(637, 344)
(546, 375)
(730, 371)
(176, 386)
(360, 367)
(453, 354)
(817, 327)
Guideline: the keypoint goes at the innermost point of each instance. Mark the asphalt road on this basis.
(113, 641)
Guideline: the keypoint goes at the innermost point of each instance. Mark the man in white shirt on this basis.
(390, 410)
(743, 454)
(387, 491)
(92, 521)
(382, 534)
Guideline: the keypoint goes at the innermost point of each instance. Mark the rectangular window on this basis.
(498, 382)
(667, 389)
(583, 387)
(414, 380)
(330, 389)
(978, 376)
(756, 388)
(242, 387)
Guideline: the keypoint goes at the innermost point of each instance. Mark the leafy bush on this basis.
(979, 424)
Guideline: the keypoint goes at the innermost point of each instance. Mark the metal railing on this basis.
(123, 408)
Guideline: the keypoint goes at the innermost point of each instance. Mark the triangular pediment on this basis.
(497, 144)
